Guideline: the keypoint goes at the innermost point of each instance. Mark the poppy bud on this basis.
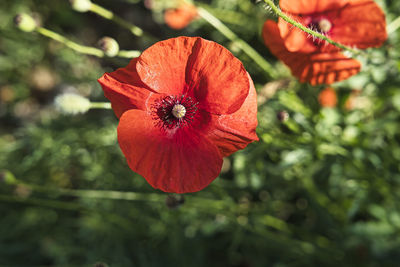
(7, 177)
(180, 17)
(81, 5)
(72, 104)
(109, 46)
(282, 115)
(25, 22)
(327, 98)
(173, 201)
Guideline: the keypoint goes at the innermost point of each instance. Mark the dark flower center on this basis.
(174, 111)
(321, 25)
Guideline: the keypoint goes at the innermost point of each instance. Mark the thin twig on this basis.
(245, 47)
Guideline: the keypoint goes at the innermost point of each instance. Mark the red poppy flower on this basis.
(327, 98)
(180, 17)
(183, 105)
(356, 23)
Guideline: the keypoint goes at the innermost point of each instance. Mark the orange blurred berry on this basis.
(180, 17)
(327, 98)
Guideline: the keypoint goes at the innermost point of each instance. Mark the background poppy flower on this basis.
(181, 16)
(327, 98)
(356, 23)
(183, 105)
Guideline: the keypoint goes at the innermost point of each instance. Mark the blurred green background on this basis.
(319, 189)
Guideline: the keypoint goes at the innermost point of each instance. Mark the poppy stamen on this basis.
(321, 25)
(324, 25)
(174, 112)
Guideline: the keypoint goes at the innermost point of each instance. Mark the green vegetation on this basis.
(321, 188)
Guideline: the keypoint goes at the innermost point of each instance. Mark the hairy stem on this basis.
(286, 18)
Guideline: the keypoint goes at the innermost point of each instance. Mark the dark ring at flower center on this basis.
(174, 111)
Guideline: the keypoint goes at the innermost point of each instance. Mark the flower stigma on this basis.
(324, 25)
(172, 112)
(179, 111)
(321, 25)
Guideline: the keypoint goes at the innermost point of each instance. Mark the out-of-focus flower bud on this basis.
(7, 177)
(25, 22)
(282, 115)
(327, 98)
(174, 201)
(81, 5)
(181, 16)
(72, 104)
(109, 46)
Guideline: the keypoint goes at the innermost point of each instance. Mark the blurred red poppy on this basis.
(355, 23)
(180, 17)
(183, 105)
(327, 98)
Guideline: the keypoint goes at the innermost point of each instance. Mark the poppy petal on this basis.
(162, 66)
(327, 68)
(352, 27)
(218, 79)
(295, 39)
(315, 68)
(235, 131)
(300, 7)
(179, 161)
(124, 89)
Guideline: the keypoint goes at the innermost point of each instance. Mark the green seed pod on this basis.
(109, 46)
(25, 22)
(72, 104)
(282, 115)
(81, 5)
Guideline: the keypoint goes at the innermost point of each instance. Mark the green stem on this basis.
(307, 30)
(100, 105)
(112, 195)
(41, 202)
(87, 50)
(129, 53)
(393, 26)
(77, 47)
(97, 194)
(107, 14)
(245, 47)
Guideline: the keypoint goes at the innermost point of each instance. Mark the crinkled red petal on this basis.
(179, 161)
(295, 39)
(235, 131)
(198, 67)
(218, 79)
(360, 25)
(162, 66)
(124, 89)
(301, 7)
(315, 68)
